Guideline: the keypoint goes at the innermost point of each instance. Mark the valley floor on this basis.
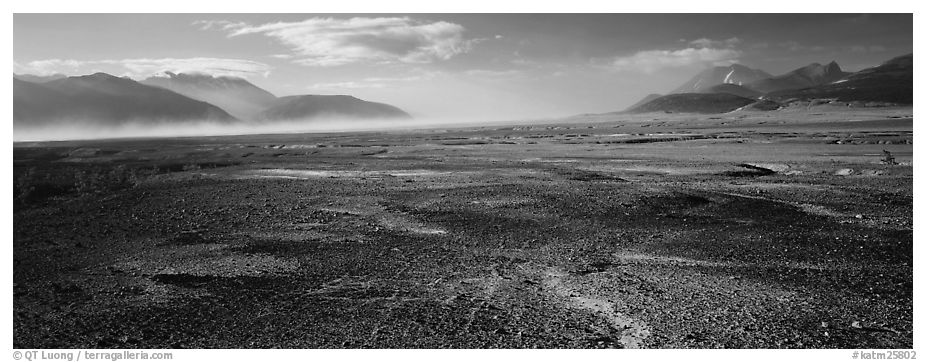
(764, 230)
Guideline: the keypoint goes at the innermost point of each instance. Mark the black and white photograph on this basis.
(461, 180)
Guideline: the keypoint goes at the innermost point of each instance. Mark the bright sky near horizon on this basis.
(456, 66)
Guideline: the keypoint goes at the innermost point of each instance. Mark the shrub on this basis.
(117, 178)
(25, 184)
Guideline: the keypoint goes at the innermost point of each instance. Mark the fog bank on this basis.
(80, 130)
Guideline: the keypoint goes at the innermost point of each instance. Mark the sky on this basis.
(466, 67)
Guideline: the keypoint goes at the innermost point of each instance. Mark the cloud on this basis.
(710, 43)
(422, 75)
(798, 47)
(346, 85)
(380, 82)
(700, 52)
(488, 73)
(144, 67)
(650, 61)
(523, 62)
(332, 42)
(47, 66)
(216, 24)
(858, 19)
(212, 66)
(865, 49)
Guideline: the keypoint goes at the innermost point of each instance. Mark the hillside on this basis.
(890, 82)
(237, 96)
(733, 89)
(694, 103)
(643, 101)
(809, 76)
(338, 106)
(732, 74)
(104, 99)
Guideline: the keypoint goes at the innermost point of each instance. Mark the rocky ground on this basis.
(754, 231)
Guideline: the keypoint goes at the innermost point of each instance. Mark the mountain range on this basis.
(709, 90)
(890, 82)
(695, 103)
(804, 77)
(296, 107)
(237, 96)
(732, 74)
(104, 99)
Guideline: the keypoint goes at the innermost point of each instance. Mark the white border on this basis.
(475, 6)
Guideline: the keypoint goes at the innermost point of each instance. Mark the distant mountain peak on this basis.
(164, 74)
(810, 75)
(890, 82)
(98, 75)
(238, 96)
(305, 107)
(97, 78)
(731, 74)
(694, 103)
(104, 99)
(196, 77)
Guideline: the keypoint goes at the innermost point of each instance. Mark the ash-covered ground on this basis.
(758, 230)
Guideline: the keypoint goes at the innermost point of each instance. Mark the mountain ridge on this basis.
(694, 103)
(314, 106)
(810, 75)
(888, 83)
(104, 99)
(732, 74)
(237, 96)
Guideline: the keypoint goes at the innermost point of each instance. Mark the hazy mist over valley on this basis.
(87, 130)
